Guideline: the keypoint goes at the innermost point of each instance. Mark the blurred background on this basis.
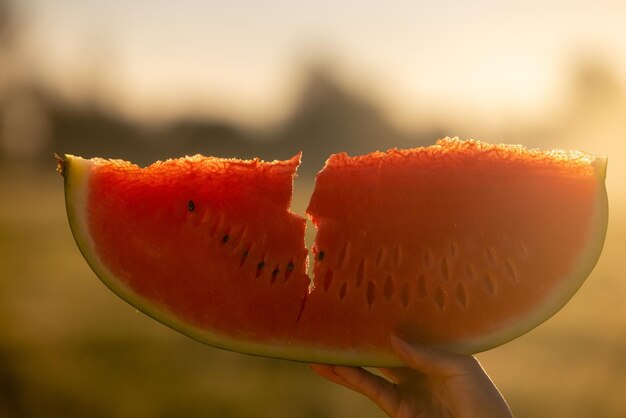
(148, 80)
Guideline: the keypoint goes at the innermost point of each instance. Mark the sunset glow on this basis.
(241, 60)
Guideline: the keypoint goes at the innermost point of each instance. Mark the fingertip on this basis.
(429, 359)
(343, 370)
(402, 347)
(330, 372)
(321, 368)
(406, 343)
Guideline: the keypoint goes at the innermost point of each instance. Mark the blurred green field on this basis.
(70, 348)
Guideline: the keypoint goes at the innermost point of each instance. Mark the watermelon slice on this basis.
(463, 245)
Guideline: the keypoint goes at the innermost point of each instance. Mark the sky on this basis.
(243, 60)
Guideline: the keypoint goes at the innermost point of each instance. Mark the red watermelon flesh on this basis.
(209, 241)
(462, 245)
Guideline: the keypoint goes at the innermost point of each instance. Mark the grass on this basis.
(69, 347)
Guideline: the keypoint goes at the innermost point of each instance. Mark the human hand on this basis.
(435, 383)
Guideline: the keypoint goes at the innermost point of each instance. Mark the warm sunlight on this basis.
(239, 60)
(151, 80)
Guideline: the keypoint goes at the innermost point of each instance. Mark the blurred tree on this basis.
(5, 21)
(326, 118)
(7, 39)
(594, 117)
(595, 86)
(330, 118)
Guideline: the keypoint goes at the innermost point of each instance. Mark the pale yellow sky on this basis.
(240, 59)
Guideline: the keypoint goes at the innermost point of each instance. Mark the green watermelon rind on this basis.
(76, 176)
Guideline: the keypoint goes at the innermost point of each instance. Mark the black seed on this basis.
(225, 239)
(274, 275)
(320, 256)
(371, 294)
(244, 256)
(344, 255)
(342, 291)
(191, 206)
(288, 270)
(260, 265)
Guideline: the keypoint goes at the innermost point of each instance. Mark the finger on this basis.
(326, 371)
(376, 388)
(433, 361)
(390, 373)
(397, 374)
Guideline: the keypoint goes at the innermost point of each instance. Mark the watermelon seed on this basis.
(444, 269)
(428, 258)
(288, 270)
(491, 255)
(360, 273)
(454, 249)
(421, 286)
(225, 239)
(328, 279)
(238, 237)
(342, 291)
(461, 295)
(259, 268)
(371, 294)
(343, 255)
(274, 274)
(320, 256)
(440, 298)
(388, 288)
(523, 250)
(244, 257)
(397, 255)
(381, 256)
(490, 284)
(510, 270)
(191, 206)
(404, 295)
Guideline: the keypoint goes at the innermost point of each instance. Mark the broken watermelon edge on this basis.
(76, 172)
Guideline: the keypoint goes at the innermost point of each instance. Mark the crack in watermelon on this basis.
(405, 240)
